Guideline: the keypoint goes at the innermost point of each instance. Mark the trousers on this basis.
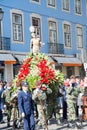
(29, 123)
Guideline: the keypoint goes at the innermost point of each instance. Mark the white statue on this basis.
(35, 42)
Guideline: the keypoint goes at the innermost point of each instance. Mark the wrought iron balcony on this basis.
(4, 43)
(55, 48)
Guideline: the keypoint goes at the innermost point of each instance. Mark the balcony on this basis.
(55, 48)
(4, 43)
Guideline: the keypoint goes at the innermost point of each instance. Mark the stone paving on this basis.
(52, 126)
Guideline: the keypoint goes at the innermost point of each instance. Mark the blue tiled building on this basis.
(60, 24)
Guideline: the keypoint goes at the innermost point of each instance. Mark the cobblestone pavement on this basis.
(52, 126)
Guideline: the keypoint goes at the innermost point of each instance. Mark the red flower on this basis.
(27, 60)
(21, 76)
(25, 65)
(46, 73)
(24, 71)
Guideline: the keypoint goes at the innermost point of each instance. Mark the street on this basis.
(52, 126)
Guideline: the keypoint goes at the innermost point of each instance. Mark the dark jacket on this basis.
(25, 103)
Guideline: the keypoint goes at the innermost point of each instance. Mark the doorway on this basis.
(70, 71)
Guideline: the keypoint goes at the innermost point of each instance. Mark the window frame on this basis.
(69, 35)
(79, 46)
(50, 5)
(18, 13)
(76, 6)
(52, 30)
(36, 16)
(86, 7)
(34, 1)
(64, 9)
(53, 44)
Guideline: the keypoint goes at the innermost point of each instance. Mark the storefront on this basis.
(10, 64)
(6, 66)
(68, 65)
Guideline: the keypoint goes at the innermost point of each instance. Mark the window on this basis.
(78, 6)
(37, 24)
(66, 5)
(37, 1)
(53, 45)
(17, 27)
(79, 36)
(52, 32)
(67, 35)
(52, 3)
(86, 7)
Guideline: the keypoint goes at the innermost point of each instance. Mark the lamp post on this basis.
(1, 17)
(1, 14)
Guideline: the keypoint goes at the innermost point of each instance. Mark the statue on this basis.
(35, 42)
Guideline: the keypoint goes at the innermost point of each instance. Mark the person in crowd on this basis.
(84, 108)
(85, 81)
(82, 83)
(71, 98)
(4, 85)
(79, 105)
(40, 96)
(26, 107)
(65, 84)
(1, 104)
(15, 116)
(79, 101)
(53, 104)
(64, 105)
(6, 96)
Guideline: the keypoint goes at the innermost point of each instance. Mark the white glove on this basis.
(15, 95)
(36, 91)
(23, 115)
(3, 111)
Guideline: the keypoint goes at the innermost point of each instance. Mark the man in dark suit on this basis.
(26, 107)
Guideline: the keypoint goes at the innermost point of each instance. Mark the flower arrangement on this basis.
(38, 67)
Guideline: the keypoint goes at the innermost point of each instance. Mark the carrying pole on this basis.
(42, 111)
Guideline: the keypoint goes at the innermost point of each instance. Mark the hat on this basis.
(25, 84)
(43, 87)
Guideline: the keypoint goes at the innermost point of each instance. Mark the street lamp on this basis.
(1, 17)
(1, 14)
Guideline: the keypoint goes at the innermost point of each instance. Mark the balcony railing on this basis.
(55, 48)
(5, 43)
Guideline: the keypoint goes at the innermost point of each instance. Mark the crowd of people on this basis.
(39, 106)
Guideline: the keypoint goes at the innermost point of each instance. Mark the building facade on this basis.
(61, 26)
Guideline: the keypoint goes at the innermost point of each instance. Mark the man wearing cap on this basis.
(39, 96)
(26, 107)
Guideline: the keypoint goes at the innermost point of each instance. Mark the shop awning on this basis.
(7, 59)
(68, 61)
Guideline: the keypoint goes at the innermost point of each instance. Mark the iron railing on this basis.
(55, 48)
